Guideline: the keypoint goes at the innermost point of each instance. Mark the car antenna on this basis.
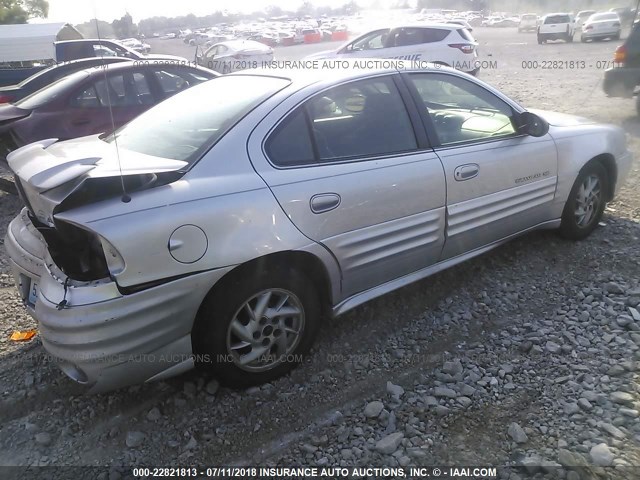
(125, 197)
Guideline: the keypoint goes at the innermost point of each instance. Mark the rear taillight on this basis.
(620, 55)
(463, 47)
(5, 98)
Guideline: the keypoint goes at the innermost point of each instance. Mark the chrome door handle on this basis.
(324, 202)
(466, 172)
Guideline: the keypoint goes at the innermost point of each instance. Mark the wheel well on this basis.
(609, 164)
(306, 263)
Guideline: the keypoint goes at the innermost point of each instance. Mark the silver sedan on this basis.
(600, 26)
(225, 223)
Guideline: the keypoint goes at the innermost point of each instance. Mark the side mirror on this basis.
(528, 123)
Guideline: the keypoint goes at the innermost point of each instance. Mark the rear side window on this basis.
(430, 35)
(122, 90)
(557, 19)
(416, 36)
(350, 121)
(291, 143)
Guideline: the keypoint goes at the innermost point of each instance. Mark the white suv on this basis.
(446, 44)
(556, 26)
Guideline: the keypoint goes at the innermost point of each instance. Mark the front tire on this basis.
(258, 326)
(586, 202)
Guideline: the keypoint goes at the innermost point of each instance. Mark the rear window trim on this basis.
(207, 147)
(342, 160)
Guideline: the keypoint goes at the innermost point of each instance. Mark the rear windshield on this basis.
(557, 19)
(50, 92)
(186, 125)
(603, 16)
(529, 17)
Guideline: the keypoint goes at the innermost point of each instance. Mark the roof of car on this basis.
(428, 24)
(131, 65)
(240, 43)
(86, 40)
(318, 70)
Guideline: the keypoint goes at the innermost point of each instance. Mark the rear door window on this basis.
(416, 36)
(121, 90)
(350, 121)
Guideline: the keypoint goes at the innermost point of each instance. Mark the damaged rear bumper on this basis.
(100, 337)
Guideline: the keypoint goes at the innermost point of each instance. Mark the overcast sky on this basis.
(74, 11)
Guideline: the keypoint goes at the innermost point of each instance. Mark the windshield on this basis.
(50, 92)
(186, 125)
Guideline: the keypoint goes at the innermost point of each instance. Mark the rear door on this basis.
(499, 182)
(353, 173)
(100, 104)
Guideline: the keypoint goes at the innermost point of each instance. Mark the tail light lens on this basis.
(463, 47)
(620, 54)
(5, 98)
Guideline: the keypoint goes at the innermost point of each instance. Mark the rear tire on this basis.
(586, 202)
(540, 40)
(257, 326)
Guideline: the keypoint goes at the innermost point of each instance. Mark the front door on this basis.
(499, 182)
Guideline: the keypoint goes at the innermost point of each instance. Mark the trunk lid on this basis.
(48, 173)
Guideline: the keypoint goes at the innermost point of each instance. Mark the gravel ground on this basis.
(525, 358)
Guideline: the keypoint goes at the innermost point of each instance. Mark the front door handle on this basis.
(324, 202)
(466, 172)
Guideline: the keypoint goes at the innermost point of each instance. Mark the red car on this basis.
(92, 101)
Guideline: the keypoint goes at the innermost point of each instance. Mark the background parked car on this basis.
(226, 57)
(83, 103)
(622, 79)
(137, 45)
(582, 17)
(93, 47)
(443, 43)
(556, 26)
(12, 93)
(528, 22)
(601, 25)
